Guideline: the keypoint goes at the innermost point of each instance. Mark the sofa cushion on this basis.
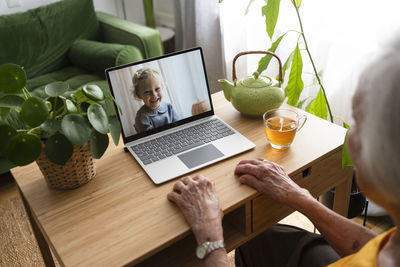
(39, 39)
(96, 56)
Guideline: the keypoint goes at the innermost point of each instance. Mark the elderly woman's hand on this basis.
(200, 206)
(270, 179)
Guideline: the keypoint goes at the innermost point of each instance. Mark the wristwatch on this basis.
(207, 247)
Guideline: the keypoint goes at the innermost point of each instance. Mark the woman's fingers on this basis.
(185, 180)
(248, 168)
(179, 186)
(256, 161)
(174, 197)
(250, 180)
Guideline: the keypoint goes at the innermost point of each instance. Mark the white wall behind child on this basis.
(183, 83)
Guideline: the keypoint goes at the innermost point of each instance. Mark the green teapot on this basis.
(254, 95)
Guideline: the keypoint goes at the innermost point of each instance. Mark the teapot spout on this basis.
(227, 88)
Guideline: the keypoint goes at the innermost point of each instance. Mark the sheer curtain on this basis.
(343, 37)
(197, 23)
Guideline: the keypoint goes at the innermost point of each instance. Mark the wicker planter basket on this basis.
(77, 171)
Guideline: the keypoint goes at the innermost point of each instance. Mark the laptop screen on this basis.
(160, 93)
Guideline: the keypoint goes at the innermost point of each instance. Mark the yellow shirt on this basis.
(368, 254)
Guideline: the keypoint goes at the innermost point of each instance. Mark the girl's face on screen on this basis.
(151, 92)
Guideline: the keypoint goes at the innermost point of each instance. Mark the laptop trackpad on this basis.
(200, 156)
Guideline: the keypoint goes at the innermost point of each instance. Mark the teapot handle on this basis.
(255, 52)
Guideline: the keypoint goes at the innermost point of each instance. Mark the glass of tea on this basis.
(281, 126)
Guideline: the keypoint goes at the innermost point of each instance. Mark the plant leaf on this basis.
(56, 89)
(84, 107)
(71, 106)
(295, 85)
(34, 111)
(12, 78)
(115, 129)
(76, 128)
(56, 103)
(318, 106)
(58, 149)
(298, 3)
(6, 133)
(98, 118)
(11, 101)
(271, 13)
(4, 112)
(80, 96)
(98, 144)
(93, 92)
(248, 7)
(23, 149)
(301, 103)
(50, 127)
(346, 160)
(5, 165)
(264, 62)
(286, 65)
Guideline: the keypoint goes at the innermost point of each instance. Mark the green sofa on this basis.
(69, 41)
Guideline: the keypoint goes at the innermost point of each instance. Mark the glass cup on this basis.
(281, 126)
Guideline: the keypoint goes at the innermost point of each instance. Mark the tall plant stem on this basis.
(312, 62)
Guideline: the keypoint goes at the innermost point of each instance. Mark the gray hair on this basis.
(380, 132)
(141, 75)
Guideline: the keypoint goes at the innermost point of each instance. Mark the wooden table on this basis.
(122, 218)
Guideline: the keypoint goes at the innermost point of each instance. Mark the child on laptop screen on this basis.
(154, 113)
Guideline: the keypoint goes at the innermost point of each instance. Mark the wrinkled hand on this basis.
(269, 179)
(199, 204)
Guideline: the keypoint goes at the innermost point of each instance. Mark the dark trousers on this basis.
(285, 245)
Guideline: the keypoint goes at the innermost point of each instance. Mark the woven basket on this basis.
(77, 171)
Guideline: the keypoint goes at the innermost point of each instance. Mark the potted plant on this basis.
(62, 131)
(317, 105)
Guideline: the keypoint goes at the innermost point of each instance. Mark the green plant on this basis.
(319, 104)
(57, 121)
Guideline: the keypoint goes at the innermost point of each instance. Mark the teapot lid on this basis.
(256, 81)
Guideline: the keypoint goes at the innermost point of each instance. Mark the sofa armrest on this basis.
(97, 56)
(116, 30)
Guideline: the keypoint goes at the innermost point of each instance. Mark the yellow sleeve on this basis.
(367, 256)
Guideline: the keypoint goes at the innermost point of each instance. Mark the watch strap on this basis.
(211, 246)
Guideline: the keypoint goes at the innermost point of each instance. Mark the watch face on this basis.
(201, 252)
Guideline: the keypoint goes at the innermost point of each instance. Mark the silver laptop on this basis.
(167, 116)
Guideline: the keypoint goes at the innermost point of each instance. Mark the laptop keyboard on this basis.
(177, 142)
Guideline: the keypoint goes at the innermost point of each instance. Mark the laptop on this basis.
(167, 117)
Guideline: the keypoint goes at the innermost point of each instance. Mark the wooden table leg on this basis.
(43, 246)
(342, 194)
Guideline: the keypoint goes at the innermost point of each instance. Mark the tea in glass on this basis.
(281, 126)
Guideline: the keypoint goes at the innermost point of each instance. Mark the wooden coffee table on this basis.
(122, 218)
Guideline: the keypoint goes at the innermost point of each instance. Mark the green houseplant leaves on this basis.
(12, 78)
(76, 128)
(54, 145)
(34, 111)
(57, 120)
(319, 105)
(30, 146)
(56, 89)
(98, 118)
(271, 12)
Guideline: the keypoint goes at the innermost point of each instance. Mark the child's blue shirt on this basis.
(147, 119)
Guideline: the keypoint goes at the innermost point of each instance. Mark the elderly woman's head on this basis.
(374, 142)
